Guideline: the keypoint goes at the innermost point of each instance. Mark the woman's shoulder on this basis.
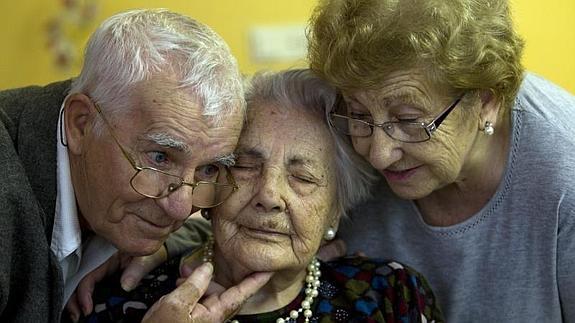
(383, 290)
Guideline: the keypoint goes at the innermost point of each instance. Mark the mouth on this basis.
(152, 229)
(397, 175)
(263, 233)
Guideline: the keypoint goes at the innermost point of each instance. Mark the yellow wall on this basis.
(24, 58)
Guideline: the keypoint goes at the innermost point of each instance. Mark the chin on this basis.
(263, 261)
(409, 193)
(139, 247)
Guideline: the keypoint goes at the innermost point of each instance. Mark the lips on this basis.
(153, 229)
(263, 233)
(403, 174)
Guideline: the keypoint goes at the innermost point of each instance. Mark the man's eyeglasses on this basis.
(404, 131)
(154, 183)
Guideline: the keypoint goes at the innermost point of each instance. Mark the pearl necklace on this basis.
(312, 284)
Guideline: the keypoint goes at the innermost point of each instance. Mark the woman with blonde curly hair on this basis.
(476, 155)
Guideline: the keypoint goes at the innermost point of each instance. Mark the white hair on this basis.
(133, 46)
(300, 88)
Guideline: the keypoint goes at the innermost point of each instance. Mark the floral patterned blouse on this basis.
(353, 289)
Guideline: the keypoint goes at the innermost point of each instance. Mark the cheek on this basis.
(234, 204)
(445, 157)
(361, 146)
(224, 216)
(112, 198)
(311, 222)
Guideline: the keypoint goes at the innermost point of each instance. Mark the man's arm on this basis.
(30, 289)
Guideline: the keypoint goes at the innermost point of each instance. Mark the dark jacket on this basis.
(30, 278)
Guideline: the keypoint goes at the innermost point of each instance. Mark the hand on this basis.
(135, 269)
(139, 267)
(183, 304)
(332, 250)
(81, 300)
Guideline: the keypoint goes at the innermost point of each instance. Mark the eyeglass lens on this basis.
(156, 184)
(397, 130)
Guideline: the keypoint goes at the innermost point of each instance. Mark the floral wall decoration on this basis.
(66, 32)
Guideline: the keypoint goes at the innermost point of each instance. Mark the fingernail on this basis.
(127, 283)
(85, 310)
(74, 317)
(207, 268)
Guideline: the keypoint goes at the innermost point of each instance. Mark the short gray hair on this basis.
(135, 45)
(300, 88)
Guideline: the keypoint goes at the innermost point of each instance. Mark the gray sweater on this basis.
(30, 279)
(514, 261)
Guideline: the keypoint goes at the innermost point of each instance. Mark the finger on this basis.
(86, 286)
(186, 270)
(195, 286)
(189, 263)
(178, 305)
(85, 291)
(214, 288)
(230, 301)
(73, 308)
(332, 250)
(138, 267)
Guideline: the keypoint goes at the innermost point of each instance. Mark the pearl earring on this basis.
(205, 214)
(488, 128)
(329, 234)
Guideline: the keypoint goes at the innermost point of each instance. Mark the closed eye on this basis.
(240, 167)
(360, 116)
(408, 119)
(304, 179)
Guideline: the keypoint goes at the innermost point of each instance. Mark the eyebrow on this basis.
(294, 160)
(404, 97)
(252, 152)
(303, 161)
(227, 160)
(401, 95)
(163, 139)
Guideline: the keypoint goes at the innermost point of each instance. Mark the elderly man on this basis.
(115, 160)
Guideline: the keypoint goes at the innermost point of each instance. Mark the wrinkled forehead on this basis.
(294, 130)
(162, 96)
(270, 116)
(410, 86)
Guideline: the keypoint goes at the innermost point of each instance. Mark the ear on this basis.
(490, 107)
(79, 115)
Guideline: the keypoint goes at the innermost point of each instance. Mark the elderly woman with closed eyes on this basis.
(476, 156)
(294, 185)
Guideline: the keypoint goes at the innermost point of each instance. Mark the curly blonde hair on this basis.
(464, 44)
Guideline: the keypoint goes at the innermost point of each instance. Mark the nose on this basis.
(269, 197)
(383, 150)
(178, 205)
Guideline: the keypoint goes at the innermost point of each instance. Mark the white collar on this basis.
(66, 234)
